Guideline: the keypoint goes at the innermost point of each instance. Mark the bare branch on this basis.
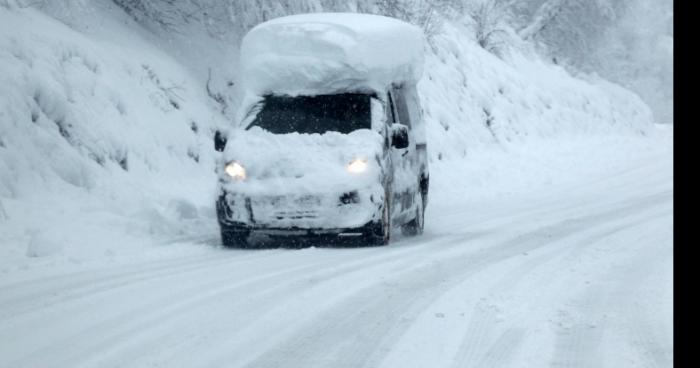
(218, 97)
(546, 13)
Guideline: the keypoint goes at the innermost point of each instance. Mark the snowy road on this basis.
(579, 275)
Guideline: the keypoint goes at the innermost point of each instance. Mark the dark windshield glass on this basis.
(342, 113)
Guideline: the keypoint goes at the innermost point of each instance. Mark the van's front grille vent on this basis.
(295, 215)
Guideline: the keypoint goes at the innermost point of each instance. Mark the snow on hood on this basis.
(329, 52)
(302, 163)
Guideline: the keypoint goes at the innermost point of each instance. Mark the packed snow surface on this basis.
(331, 52)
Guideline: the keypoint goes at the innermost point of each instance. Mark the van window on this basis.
(392, 116)
(401, 106)
(341, 113)
(415, 112)
(409, 111)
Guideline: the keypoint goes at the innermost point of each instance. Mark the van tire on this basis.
(235, 238)
(380, 232)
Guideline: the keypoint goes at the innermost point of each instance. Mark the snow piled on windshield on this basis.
(302, 163)
(330, 52)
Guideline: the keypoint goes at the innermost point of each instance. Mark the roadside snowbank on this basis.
(104, 139)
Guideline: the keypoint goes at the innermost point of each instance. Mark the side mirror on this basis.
(219, 141)
(399, 136)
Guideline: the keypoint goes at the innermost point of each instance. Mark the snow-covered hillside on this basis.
(106, 128)
(474, 99)
(105, 138)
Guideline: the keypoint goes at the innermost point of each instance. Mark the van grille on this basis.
(283, 208)
(295, 215)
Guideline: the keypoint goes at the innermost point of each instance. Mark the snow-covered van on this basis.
(330, 140)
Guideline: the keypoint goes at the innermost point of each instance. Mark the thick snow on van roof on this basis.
(330, 52)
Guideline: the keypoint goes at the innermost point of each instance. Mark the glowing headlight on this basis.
(357, 166)
(235, 170)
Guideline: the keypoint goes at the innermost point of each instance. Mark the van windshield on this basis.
(341, 113)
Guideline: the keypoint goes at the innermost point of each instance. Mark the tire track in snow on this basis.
(120, 326)
(587, 316)
(488, 318)
(397, 250)
(646, 340)
(143, 315)
(414, 296)
(329, 291)
(28, 296)
(474, 344)
(503, 349)
(649, 335)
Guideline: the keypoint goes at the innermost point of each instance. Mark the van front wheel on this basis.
(380, 232)
(235, 238)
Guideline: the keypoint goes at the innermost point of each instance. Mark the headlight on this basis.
(357, 166)
(235, 170)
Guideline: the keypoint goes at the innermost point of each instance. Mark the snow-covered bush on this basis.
(487, 20)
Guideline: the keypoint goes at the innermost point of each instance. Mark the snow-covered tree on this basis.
(638, 53)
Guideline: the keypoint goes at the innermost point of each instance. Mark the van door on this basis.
(418, 134)
(405, 183)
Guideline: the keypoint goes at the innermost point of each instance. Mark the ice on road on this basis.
(576, 274)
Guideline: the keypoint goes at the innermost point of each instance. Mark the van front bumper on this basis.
(344, 214)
